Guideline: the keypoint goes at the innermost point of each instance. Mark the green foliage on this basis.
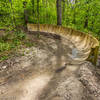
(3, 58)
(20, 35)
(4, 46)
(10, 41)
(74, 15)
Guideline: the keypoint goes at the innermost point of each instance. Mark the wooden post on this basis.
(96, 53)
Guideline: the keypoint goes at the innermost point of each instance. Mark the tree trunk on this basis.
(43, 2)
(74, 14)
(46, 13)
(33, 9)
(26, 16)
(63, 9)
(38, 13)
(25, 13)
(86, 17)
(13, 17)
(86, 22)
(59, 12)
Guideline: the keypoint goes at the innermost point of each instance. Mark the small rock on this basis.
(4, 67)
(1, 92)
(96, 95)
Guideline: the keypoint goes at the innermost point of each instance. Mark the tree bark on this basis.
(86, 17)
(46, 13)
(63, 9)
(25, 13)
(26, 16)
(13, 17)
(74, 14)
(86, 22)
(38, 13)
(59, 12)
(33, 9)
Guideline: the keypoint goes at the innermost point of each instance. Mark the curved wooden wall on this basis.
(85, 43)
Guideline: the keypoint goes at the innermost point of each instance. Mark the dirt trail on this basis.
(28, 89)
(34, 87)
(44, 72)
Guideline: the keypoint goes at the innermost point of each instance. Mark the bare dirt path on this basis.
(44, 73)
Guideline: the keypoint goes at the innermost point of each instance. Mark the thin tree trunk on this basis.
(59, 12)
(43, 6)
(93, 21)
(13, 18)
(86, 17)
(63, 9)
(38, 13)
(43, 2)
(25, 13)
(74, 15)
(46, 14)
(25, 16)
(67, 16)
(33, 9)
(86, 21)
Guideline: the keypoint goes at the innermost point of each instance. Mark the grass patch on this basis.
(12, 41)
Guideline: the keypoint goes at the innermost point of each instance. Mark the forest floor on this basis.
(40, 72)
